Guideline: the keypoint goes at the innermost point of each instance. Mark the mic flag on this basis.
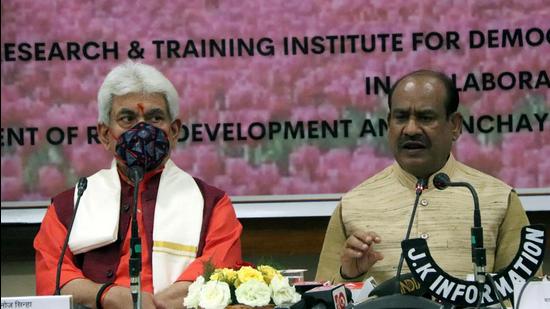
(408, 284)
(333, 296)
(452, 290)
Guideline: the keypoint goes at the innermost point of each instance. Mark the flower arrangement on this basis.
(255, 287)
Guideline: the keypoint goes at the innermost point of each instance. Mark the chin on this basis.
(415, 166)
(419, 173)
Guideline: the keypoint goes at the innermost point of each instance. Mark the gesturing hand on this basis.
(358, 254)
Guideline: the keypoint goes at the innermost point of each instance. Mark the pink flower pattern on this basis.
(247, 89)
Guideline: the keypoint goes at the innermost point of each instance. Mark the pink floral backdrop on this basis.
(45, 94)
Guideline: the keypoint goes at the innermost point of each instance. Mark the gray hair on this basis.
(133, 77)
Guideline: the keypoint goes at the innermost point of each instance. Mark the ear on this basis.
(104, 135)
(175, 129)
(456, 125)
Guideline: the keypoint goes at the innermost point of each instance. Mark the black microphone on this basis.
(479, 258)
(136, 175)
(421, 185)
(442, 181)
(461, 293)
(81, 187)
(327, 297)
(407, 284)
(389, 291)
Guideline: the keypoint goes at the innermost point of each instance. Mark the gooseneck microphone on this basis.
(479, 258)
(136, 175)
(389, 292)
(81, 187)
(484, 290)
(421, 185)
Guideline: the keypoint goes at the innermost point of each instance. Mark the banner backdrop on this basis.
(277, 97)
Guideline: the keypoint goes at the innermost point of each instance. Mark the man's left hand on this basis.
(172, 297)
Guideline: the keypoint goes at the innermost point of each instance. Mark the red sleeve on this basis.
(48, 243)
(223, 241)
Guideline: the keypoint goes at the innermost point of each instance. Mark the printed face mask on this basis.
(143, 145)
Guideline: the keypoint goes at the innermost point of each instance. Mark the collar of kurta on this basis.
(408, 180)
(176, 226)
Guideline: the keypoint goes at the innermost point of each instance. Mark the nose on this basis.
(411, 128)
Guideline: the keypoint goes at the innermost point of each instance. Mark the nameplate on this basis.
(38, 302)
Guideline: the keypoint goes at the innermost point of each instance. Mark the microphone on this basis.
(453, 291)
(136, 175)
(441, 181)
(484, 290)
(407, 284)
(421, 185)
(392, 288)
(81, 187)
(327, 297)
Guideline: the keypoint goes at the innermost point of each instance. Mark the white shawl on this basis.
(176, 227)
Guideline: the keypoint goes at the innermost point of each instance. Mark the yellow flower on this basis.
(216, 275)
(229, 274)
(268, 273)
(224, 274)
(246, 273)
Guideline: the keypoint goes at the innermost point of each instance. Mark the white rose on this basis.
(253, 293)
(214, 295)
(283, 293)
(192, 298)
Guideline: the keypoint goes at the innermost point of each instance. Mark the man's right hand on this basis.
(120, 297)
(358, 254)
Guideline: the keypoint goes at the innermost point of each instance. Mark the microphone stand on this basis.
(136, 175)
(398, 300)
(479, 254)
(420, 186)
(81, 187)
(479, 257)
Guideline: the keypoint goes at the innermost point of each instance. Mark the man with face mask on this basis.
(184, 223)
(364, 234)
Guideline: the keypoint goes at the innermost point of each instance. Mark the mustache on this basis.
(417, 139)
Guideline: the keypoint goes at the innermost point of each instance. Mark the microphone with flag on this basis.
(327, 297)
(458, 292)
(389, 292)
